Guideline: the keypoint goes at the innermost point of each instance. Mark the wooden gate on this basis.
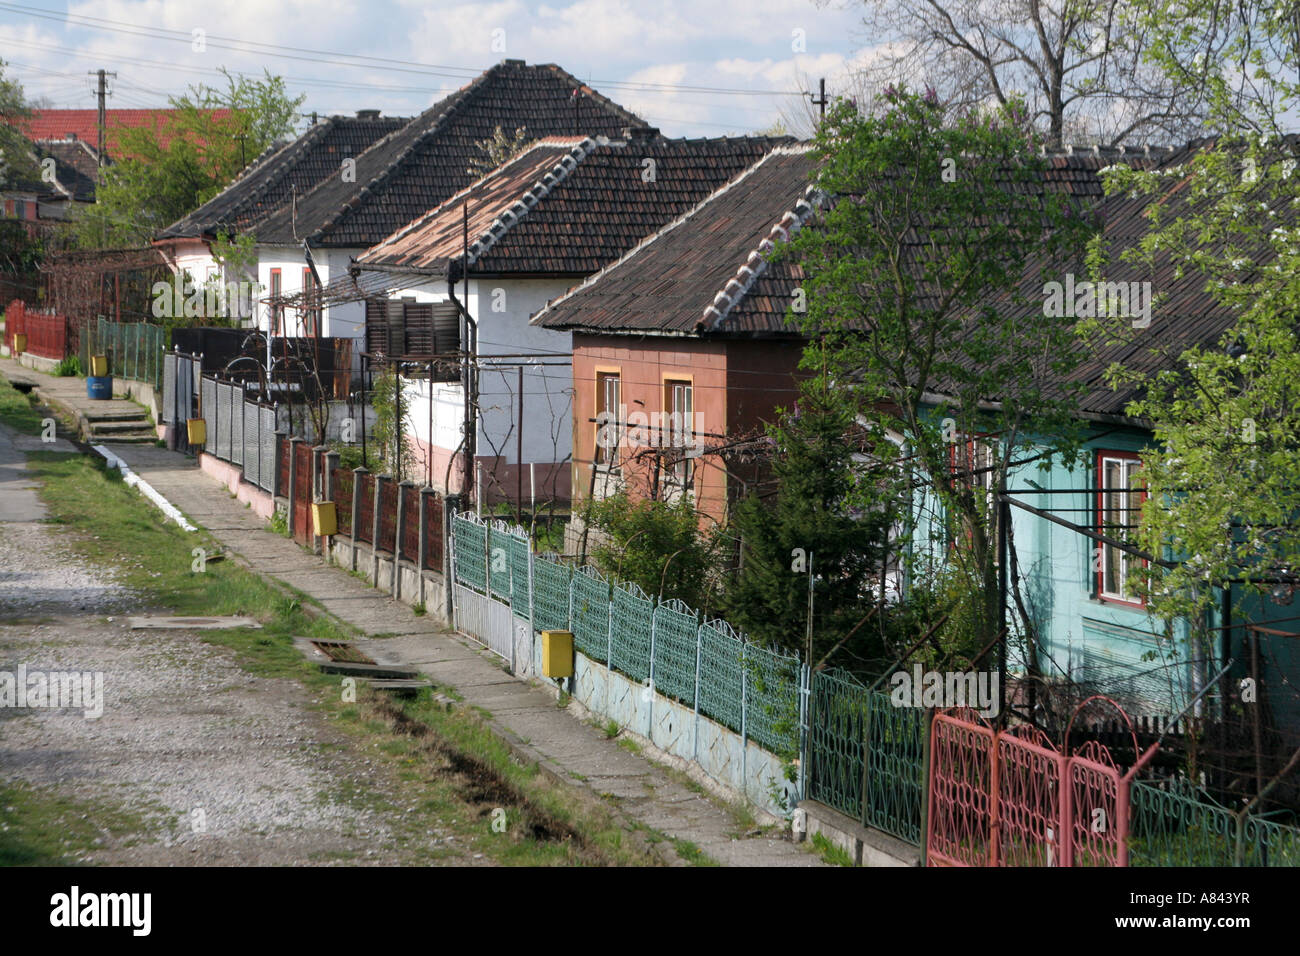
(302, 493)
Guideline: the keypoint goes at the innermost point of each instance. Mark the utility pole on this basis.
(820, 100)
(102, 92)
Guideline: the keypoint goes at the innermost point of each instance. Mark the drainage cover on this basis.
(191, 623)
(342, 652)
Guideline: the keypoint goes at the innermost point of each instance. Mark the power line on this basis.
(338, 58)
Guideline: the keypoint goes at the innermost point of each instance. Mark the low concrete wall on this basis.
(144, 393)
(675, 731)
(865, 846)
(232, 476)
(34, 362)
(412, 586)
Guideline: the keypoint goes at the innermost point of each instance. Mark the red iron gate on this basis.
(1011, 798)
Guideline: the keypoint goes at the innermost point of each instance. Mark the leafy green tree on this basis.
(498, 148)
(17, 163)
(931, 213)
(392, 416)
(1222, 497)
(658, 546)
(808, 527)
(162, 175)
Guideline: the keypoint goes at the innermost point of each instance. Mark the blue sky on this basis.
(750, 57)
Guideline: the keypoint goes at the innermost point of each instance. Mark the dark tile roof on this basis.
(76, 167)
(1188, 313)
(569, 206)
(707, 271)
(716, 256)
(415, 169)
(269, 181)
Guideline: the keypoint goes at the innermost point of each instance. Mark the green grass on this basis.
(448, 765)
(692, 854)
(42, 828)
(17, 410)
(830, 853)
(610, 727)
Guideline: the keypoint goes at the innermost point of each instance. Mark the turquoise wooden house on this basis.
(1092, 626)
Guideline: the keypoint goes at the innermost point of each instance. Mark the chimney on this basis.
(368, 114)
(640, 134)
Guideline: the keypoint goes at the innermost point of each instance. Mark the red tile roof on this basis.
(84, 124)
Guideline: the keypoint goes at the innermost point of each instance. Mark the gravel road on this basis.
(224, 767)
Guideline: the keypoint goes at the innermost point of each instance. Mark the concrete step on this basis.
(120, 439)
(99, 426)
(114, 415)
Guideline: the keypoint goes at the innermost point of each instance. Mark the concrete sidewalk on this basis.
(524, 714)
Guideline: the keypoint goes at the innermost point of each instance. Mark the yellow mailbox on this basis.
(98, 365)
(324, 517)
(557, 653)
(20, 342)
(196, 431)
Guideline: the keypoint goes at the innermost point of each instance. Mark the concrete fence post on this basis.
(357, 481)
(399, 533)
(331, 459)
(316, 486)
(375, 535)
(294, 490)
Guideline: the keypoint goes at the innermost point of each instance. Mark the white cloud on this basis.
(743, 44)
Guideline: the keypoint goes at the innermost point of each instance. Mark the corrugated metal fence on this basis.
(240, 430)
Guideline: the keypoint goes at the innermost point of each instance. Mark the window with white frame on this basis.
(1119, 500)
(608, 427)
(679, 402)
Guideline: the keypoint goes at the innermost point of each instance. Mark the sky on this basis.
(694, 68)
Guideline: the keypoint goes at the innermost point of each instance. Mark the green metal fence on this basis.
(550, 594)
(630, 628)
(1175, 825)
(134, 349)
(676, 627)
(863, 756)
(848, 723)
(590, 613)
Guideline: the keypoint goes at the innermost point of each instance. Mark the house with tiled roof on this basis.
(64, 180)
(682, 348)
(693, 325)
(491, 256)
(283, 172)
(83, 125)
(316, 205)
(1092, 624)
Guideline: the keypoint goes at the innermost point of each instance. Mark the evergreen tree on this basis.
(808, 523)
